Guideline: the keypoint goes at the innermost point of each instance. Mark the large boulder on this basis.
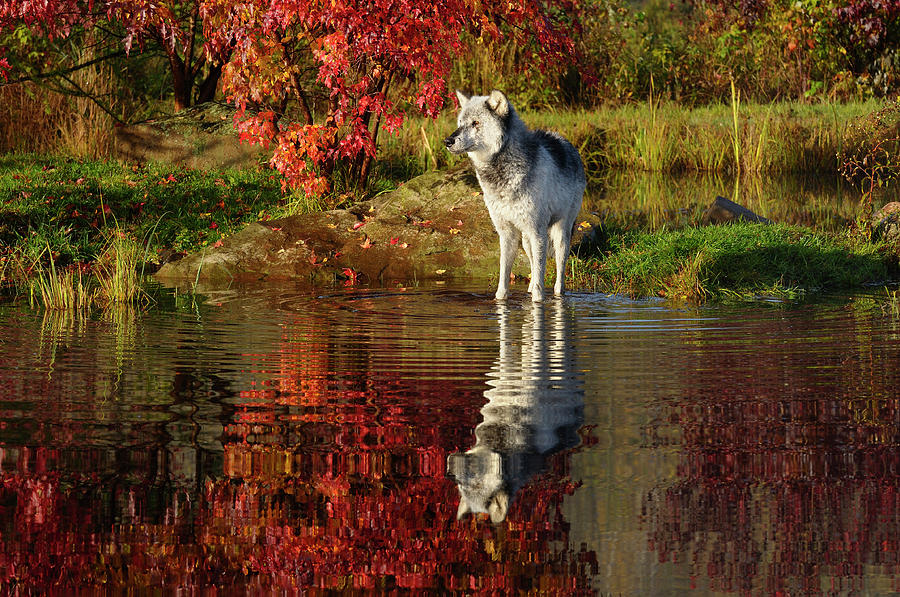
(433, 227)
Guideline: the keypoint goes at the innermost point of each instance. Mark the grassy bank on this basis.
(109, 219)
(77, 233)
(736, 261)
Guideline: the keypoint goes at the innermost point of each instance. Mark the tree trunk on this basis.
(207, 90)
(182, 81)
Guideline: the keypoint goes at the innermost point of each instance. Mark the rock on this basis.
(433, 227)
(722, 211)
(200, 137)
(886, 223)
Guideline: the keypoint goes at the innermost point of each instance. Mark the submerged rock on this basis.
(723, 210)
(433, 227)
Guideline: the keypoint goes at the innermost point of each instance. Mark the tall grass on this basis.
(117, 270)
(652, 140)
(770, 139)
(37, 119)
(735, 128)
(56, 290)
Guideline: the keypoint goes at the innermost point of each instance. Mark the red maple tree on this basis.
(322, 78)
(171, 26)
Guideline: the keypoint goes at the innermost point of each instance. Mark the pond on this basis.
(325, 440)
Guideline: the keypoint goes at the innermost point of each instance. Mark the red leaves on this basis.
(359, 53)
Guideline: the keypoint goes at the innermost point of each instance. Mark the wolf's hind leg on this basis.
(526, 245)
(560, 238)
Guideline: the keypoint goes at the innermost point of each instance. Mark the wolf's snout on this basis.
(449, 141)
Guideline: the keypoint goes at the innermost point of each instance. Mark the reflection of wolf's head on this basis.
(534, 409)
(483, 125)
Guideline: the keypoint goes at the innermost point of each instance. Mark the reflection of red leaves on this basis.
(314, 259)
(352, 276)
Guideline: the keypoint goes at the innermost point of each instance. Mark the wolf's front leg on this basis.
(538, 265)
(509, 246)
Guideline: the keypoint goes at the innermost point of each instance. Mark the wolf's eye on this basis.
(476, 124)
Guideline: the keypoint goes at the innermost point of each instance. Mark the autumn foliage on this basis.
(316, 80)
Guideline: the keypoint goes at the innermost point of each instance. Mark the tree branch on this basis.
(64, 72)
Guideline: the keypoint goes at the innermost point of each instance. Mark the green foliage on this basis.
(71, 205)
(870, 154)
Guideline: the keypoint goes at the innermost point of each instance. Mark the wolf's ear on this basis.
(498, 507)
(463, 508)
(462, 97)
(498, 103)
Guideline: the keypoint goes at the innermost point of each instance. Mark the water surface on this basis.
(316, 440)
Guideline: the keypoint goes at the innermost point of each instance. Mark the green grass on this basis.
(72, 205)
(733, 261)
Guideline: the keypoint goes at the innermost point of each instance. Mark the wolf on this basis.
(533, 183)
(535, 407)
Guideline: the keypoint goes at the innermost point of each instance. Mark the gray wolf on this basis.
(535, 407)
(533, 183)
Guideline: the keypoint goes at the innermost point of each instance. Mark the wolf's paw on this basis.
(537, 294)
(500, 295)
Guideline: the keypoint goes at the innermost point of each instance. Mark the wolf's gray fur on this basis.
(533, 183)
(535, 407)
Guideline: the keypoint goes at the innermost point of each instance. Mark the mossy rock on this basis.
(434, 227)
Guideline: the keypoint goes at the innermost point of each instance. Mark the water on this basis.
(652, 201)
(315, 440)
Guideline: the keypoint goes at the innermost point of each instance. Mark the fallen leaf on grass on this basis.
(367, 243)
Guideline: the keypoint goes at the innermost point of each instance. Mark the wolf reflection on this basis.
(535, 408)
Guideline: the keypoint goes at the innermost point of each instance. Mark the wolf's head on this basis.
(483, 125)
(482, 488)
